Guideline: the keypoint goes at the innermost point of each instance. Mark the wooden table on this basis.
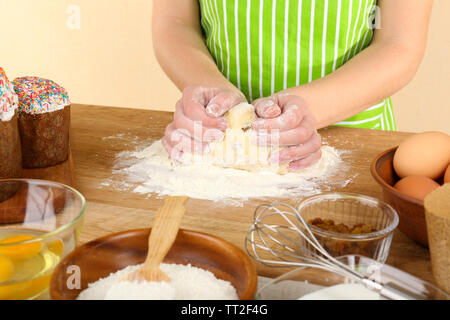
(100, 133)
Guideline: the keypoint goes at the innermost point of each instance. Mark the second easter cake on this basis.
(44, 121)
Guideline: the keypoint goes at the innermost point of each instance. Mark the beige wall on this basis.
(425, 103)
(109, 60)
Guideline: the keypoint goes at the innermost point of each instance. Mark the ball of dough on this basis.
(241, 116)
(237, 149)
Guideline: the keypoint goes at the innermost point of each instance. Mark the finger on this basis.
(188, 145)
(195, 129)
(173, 153)
(290, 118)
(305, 162)
(223, 102)
(298, 152)
(194, 102)
(178, 139)
(296, 136)
(293, 110)
(267, 108)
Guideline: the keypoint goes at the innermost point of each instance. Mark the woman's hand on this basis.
(286, 121)
(198, 119)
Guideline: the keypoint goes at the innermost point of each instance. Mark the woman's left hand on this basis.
(286, 121)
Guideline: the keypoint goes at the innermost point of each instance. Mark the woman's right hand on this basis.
(198, 119)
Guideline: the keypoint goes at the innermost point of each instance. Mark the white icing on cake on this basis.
(8, 98)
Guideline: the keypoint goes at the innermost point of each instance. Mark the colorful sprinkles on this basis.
(37, 95)
(8, 98)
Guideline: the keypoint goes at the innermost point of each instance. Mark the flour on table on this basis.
(149, 170)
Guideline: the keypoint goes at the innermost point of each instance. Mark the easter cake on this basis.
(10, 150)
(44, 121)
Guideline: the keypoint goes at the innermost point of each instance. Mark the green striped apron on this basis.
(264, 46)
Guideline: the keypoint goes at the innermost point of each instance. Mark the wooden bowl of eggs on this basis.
(408, 173)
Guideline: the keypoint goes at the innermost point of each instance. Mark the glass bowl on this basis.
(39, 224)
(350, 224)
(306, 283)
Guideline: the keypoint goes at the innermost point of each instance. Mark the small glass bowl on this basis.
(350, 210)
(300, 282)
(39, 225)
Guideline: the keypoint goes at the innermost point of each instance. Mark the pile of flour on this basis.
(187, 283)
(150, 170)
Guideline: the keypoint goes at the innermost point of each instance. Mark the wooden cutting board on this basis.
(14, 210)
(114, 209)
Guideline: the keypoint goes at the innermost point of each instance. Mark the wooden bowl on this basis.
(410, 211)
(100, 257)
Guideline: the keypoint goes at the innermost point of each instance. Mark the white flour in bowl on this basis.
(187, 283)
(150, 170)
(344, 291)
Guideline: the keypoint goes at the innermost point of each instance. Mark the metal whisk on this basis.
(279, 236)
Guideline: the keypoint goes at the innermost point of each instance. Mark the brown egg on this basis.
(416, 187)
(447, 174)
(424, 154)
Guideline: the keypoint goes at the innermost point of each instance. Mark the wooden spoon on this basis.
(163, 234)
